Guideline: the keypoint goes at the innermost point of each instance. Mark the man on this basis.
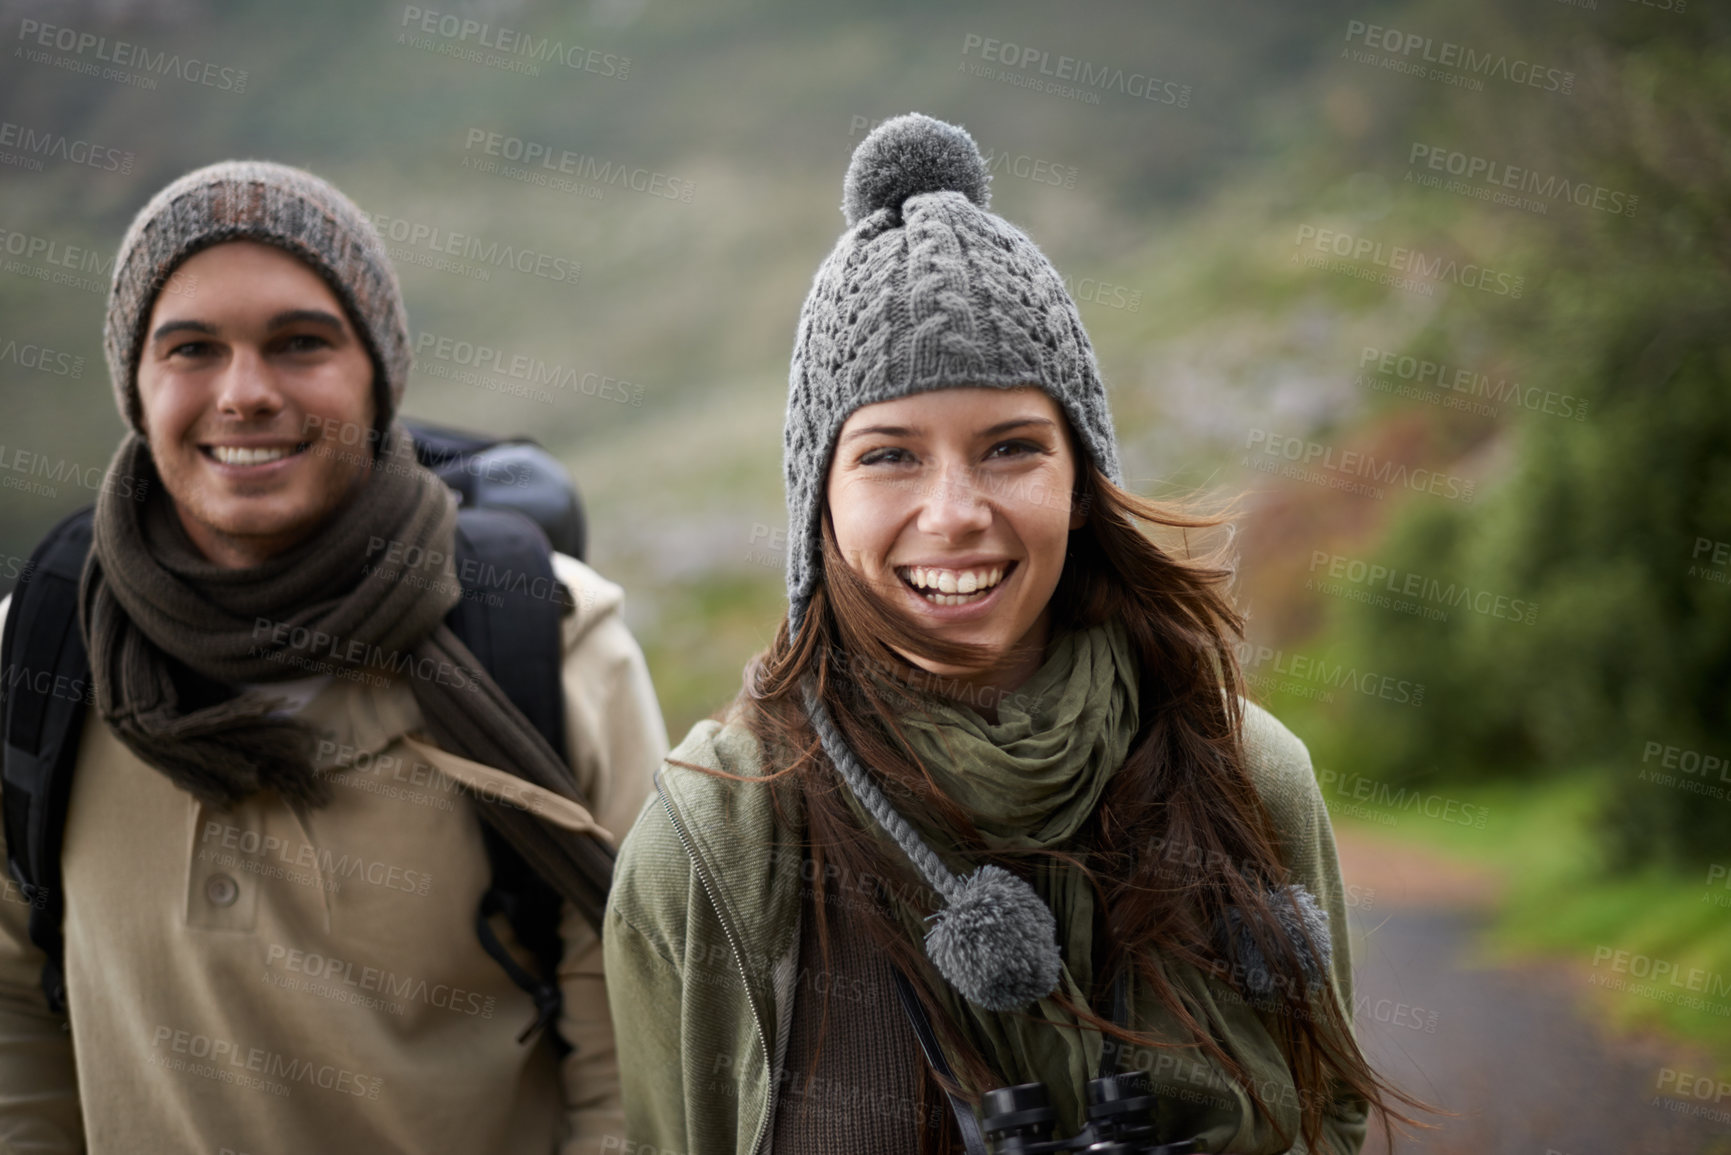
(292, 772)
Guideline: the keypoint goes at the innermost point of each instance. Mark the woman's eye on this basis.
(886, 456)
(1014, 449)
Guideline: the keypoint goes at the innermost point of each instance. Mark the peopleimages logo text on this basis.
(1442, 376)
(1501, 174)
(469, 247)
(1468, 60)
(1468, 274)
(1356, 463)
(125, 54)
(1404, 583)
(533, 153)
(58, 146)
(1086, 74)
(513, 42)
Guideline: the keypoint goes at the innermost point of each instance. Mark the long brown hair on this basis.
(1180, 838)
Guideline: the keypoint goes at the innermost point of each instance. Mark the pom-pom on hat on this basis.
(928, 289)
(910, 155)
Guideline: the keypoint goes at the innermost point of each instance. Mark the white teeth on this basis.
(239, 455)
(946, 587)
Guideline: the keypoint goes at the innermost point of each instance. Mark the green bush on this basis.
(1608, 523)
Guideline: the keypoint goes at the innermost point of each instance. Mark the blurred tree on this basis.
(1611, 523)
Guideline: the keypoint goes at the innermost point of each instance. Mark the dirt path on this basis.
(1509, 1049)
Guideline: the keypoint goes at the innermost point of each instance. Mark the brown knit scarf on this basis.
(169, 633)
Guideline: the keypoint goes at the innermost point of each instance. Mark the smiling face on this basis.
(247, 382)
(955, 506)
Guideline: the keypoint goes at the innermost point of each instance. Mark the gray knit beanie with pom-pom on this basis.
(929, 290)
(925, 290)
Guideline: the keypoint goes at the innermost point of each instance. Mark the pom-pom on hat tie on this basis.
(994, 941)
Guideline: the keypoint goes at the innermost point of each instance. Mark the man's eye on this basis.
(191, 349)
(305, 343)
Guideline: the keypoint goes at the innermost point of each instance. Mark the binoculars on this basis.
(1019, 1120)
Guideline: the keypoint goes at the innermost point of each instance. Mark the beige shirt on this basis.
(261, 983)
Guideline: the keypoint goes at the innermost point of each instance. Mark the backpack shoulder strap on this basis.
(46, 686)
(510, 618)
(511, 612)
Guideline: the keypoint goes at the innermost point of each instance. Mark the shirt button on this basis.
(221, 890)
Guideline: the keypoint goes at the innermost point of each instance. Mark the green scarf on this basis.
(1030, 781)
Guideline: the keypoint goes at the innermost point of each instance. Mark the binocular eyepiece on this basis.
(1019, 1120)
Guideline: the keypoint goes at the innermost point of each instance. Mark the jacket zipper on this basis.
(739, 961)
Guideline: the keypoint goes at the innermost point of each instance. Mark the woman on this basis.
(995, 758)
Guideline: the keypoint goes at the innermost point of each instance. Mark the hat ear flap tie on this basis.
(994, 940)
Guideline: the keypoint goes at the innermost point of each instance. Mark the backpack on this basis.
(505, 489)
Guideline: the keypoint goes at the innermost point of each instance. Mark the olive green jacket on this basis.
(702, 954)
